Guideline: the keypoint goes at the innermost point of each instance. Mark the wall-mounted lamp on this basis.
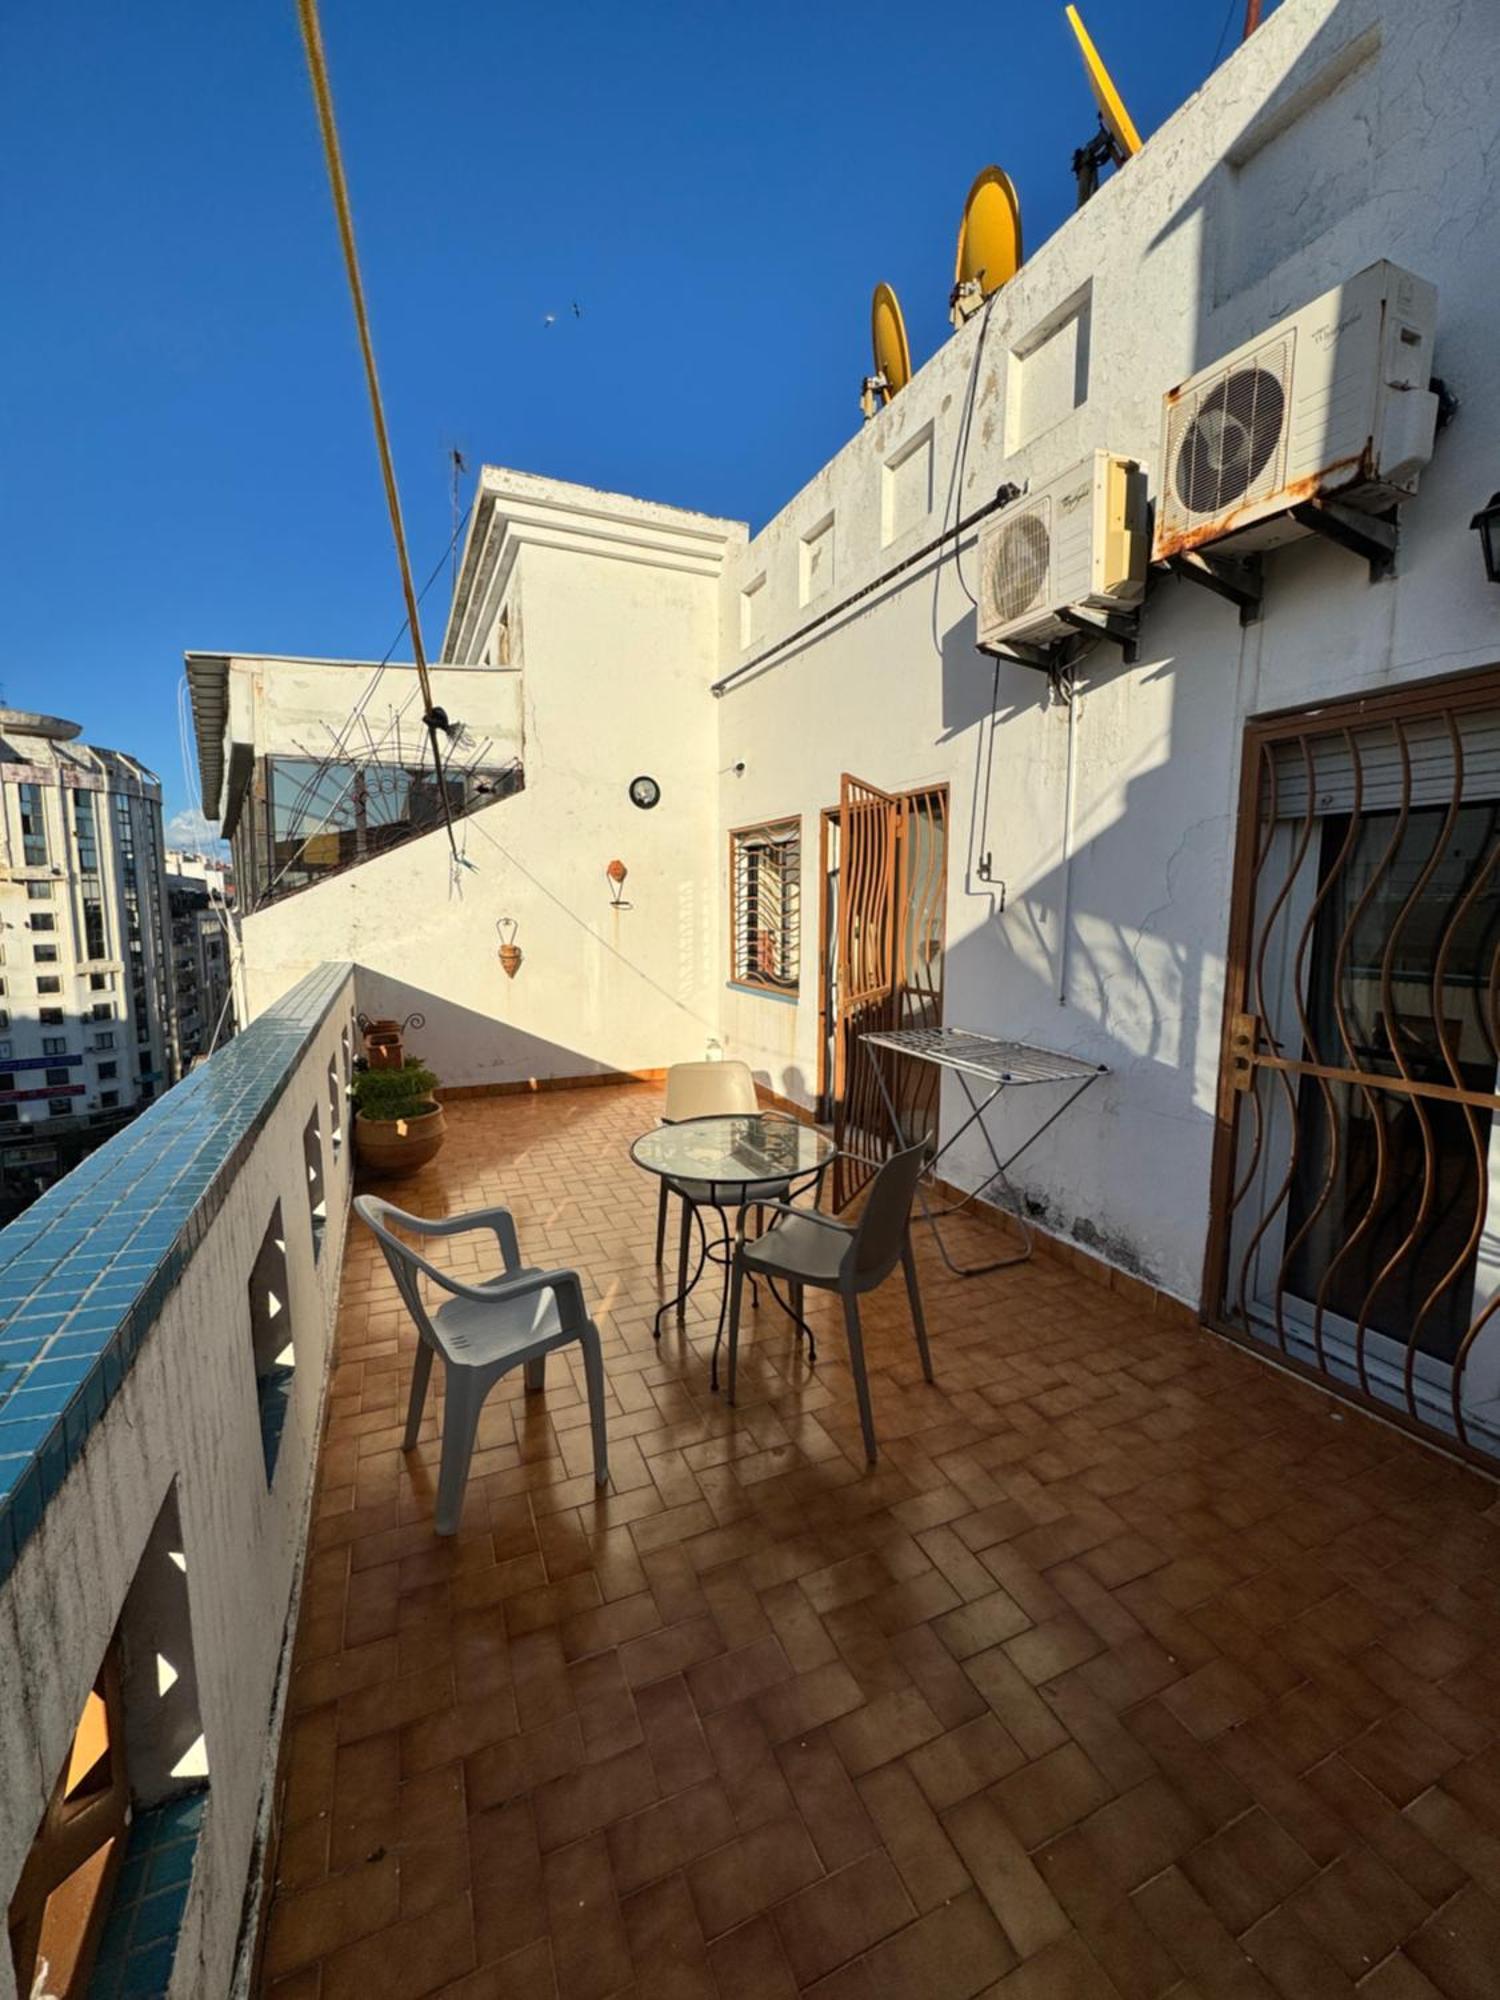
(1486, 524)
(615, 874)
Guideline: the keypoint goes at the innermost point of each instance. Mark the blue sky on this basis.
(185, 449)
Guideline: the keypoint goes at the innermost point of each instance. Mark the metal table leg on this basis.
(679, 1299)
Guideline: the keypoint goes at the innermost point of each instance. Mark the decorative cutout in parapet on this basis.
(615, 874)
(271, 1334)
(335, 1105)
(100, 1899)
(510, 952)
(317, 1199)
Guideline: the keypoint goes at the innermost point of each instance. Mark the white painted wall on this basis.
(612, 608)
(1343, 132)
(187, 1411)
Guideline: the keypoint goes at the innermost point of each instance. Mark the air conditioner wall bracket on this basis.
(1238, 579)
(1121, 628)
(1043, 658)
(1373, 537)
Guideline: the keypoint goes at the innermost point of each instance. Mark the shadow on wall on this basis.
(465, 1047)
(1101, 931)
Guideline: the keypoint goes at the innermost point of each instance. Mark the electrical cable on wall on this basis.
(961, 456)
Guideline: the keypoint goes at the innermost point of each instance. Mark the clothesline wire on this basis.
(317, 65)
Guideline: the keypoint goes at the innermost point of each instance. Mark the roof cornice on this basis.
(512, 510)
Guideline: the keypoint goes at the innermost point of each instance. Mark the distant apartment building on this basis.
(86, 1033)
(198, 891)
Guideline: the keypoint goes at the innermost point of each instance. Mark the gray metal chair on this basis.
(482, 1332)
(807, 1247)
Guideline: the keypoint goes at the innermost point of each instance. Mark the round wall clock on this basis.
(644, 792)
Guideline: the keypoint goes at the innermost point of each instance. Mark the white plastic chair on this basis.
(482, 1332)
(700, 1090)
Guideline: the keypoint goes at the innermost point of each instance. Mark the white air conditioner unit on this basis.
(1333, 403)
(1078, 544)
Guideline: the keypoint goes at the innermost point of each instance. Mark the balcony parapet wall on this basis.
(129, 1383)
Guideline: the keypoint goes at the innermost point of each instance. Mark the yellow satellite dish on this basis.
(1117, 139)
(989, 243)
(892, 352)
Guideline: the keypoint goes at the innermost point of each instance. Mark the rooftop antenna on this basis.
(892, 352)
(458, 468)
(989, 243)
(1117, 140)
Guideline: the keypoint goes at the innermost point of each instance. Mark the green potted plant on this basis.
(398, 1123)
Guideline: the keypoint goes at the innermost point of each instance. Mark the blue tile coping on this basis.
(86, 1270)
(139, 1940)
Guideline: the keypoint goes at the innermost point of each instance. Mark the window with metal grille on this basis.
(765, 895)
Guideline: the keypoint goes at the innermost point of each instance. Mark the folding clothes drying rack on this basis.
(1003, 1066)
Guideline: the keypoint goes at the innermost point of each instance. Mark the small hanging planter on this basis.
(510, 952)
(615, 873)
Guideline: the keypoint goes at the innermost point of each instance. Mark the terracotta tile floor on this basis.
(1135, 1669)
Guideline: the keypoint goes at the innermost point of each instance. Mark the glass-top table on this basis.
(732, 1151)
(727, 1162)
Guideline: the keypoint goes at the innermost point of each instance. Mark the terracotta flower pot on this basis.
(394, 1147)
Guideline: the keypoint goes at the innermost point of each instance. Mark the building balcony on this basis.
(1135, 1666)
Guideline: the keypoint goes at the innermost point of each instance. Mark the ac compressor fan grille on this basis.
(1230, 440)
(1019, 567)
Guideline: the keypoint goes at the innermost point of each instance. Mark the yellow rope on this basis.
(317, 65)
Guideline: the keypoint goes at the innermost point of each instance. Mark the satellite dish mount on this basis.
(1089, 161)
(1116, 139)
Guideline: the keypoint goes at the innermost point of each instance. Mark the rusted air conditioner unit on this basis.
(1066, 551)
(1329, 410)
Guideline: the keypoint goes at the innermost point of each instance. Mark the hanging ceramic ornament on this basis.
(510, 951)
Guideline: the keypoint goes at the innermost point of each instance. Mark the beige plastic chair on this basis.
(482, 1332)
(700, 1090)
